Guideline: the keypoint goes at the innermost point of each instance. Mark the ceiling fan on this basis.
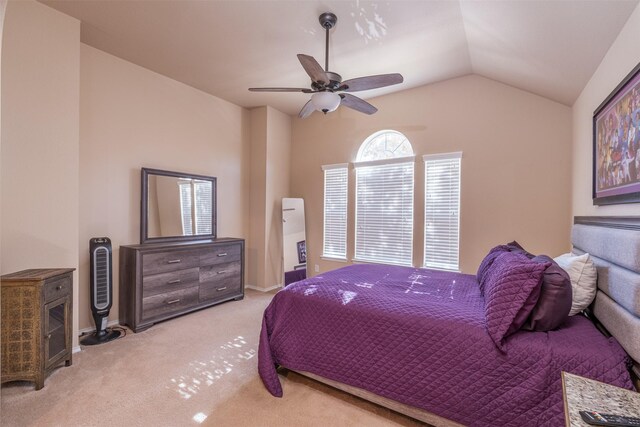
(325, 84)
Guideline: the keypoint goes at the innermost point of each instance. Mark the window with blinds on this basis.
(442, 211)
(335, 211)
(203, 206)
(186, 207)
(196, 217)
(384, 211)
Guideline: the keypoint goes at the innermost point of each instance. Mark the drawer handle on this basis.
(221, 289)
(173, 301)
(48, 337)
(172, 282)
(222, 271)
(224, 254)
(173, 261)
(58, 287)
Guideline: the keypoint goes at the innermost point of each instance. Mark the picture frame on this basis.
(302, 252)
(616, 144)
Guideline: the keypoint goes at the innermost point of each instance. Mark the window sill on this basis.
(329, 258)
(361, 261)
(442, 269)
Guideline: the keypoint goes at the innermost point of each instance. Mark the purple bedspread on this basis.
(418, 336)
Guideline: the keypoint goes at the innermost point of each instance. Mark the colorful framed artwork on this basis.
(302, 252)
(616, 144)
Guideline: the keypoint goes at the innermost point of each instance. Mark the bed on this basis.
(415, 340)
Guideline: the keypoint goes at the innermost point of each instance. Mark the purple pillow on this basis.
(512, 287)
(517, 248)
(486, 264)
(554, 304)
(515, 245)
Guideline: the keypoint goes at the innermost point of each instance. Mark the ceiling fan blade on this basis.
(371, 82)
(314, 69)
(357, 104)
(280, 89)
(306, 110)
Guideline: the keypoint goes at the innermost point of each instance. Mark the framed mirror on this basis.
(294, 240)
(177, 206)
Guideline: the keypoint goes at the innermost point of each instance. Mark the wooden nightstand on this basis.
(36, 323)
(583, 394)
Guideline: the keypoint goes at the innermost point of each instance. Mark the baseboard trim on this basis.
(76, 349)
(255, 288)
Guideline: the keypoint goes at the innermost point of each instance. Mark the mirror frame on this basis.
(144, 208)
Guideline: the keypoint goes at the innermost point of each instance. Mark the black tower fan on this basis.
(101, 292)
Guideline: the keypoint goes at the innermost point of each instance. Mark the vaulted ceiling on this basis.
(547, 47)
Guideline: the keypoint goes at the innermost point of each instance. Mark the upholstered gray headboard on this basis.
(614, 246)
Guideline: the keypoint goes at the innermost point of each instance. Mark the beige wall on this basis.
(270, 153)
(40, 117)
(258, 190)
(278, 175)
(132, 118)
(3, 9)
(516, 166)
(621, 58)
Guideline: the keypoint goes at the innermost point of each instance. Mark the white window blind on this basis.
(196, 216)
(442, 211)
(335, 211)
(203, 206)
(185, 207)
(384, 212)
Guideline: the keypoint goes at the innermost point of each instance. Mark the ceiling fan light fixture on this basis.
(325, 101)
(325, 83)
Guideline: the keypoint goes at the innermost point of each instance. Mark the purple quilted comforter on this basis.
(418, 336)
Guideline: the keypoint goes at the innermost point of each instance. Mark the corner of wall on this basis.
(270, 154)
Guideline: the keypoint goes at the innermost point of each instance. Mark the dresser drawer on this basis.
(221, 254)
(219, 272)
(162, 262)
(168, 303)
(221, 289)
(167, 282)
(58, 287)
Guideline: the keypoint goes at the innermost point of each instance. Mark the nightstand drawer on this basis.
(168, 282)
(57, 288)
(168, 303)
(162, 262)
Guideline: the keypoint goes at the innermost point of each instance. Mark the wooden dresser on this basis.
(37, 317)
(165, 280)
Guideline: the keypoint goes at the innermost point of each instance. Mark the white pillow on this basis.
(584, 278)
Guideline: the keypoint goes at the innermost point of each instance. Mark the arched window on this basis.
(386, 144)
(384, 199)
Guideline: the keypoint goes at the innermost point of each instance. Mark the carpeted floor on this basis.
(199, 369)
